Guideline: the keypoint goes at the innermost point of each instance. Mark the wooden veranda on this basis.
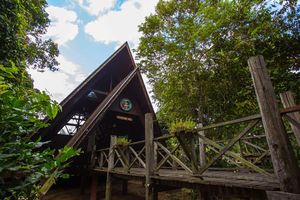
(258, 162)
(179, 166)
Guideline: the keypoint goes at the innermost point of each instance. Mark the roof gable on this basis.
(90, 101)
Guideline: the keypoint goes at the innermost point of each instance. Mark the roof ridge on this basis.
(93, 74)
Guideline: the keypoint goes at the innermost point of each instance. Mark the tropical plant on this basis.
(123, 141)
(182, 127)
(23, 108)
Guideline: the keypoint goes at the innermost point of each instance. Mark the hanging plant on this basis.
(181, 126)
(123, 141)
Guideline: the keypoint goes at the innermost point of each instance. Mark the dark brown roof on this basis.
(121, 70)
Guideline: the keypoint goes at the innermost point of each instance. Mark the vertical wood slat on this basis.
(287, 101)
(202, 157)
(111, 157)
(124, 187)
(94, 185)
(283, 158)
(101, 161)
(155, 148)
(149, 143)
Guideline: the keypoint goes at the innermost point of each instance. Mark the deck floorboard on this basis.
(224, 178)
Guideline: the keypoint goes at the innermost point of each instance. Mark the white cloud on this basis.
(60, 83)
(121, 25)
(95, 7)
(63, 26)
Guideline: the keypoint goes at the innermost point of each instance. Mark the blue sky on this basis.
(88, 32)
(83, 50)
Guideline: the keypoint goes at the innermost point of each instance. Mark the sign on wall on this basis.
(126, 104)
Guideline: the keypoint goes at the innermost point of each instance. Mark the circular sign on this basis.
(126, 104)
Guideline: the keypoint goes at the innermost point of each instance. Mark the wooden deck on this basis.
(180, 165)
(219, 178)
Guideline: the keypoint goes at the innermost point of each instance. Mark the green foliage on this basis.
(123, 141)
(182, 127)
(195, 55)
(22, 108)
(172, 142)
(56, 167)
(22, 22)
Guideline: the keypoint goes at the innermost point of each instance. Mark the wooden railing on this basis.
(258, 143)
(126, 156)
(247, 149)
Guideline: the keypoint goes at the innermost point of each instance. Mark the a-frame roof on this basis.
(121, 70)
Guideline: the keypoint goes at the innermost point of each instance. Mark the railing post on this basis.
(149, 187)
(202, 157)
(101, 159)
(287, 101)
(111, 157)
(127, 159)
(155, 148)
(283, 158)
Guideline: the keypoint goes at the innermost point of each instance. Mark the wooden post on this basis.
(283, 158)
(127, 158)
(202, 157)
(150, 190)
(124, 186)
(83, 178)
(155, 148)
(101, 159)
(94, 185)
(202, 195)
(111, 157)
(287, 101)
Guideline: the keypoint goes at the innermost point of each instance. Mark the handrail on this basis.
(184, 156)
(217, 125)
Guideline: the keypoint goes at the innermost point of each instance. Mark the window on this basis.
(73, 125)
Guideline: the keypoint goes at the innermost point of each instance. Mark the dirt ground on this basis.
(135, 192)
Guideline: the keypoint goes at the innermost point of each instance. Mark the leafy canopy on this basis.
(22, 23)
(195, 55)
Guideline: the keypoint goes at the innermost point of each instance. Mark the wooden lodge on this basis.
(113, 102)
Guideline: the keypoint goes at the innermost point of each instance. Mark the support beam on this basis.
(94, 185)
(201, 195)
(124, 186)
(202, 157)
(100, 92)
(277, 195)
(287, 101)
(83, 180)
(111, 157)
(150, 193)
(283, 158)
(155, 148)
